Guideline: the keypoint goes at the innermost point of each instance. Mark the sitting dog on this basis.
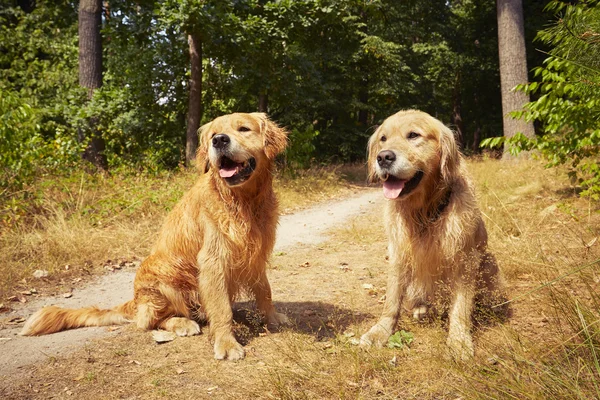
(435, 230)
(215, 242)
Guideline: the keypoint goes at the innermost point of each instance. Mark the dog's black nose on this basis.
(220, 141)
(386, 158)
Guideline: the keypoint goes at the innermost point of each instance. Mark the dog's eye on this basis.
(413, 135)
(383, 138)
(243, 129)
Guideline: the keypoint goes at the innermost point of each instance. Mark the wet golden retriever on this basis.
(215, 242)
(437, 238)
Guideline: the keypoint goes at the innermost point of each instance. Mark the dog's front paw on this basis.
(461, 348)
(276, 319)
(227, 348)
(377, 336)
(420, 312)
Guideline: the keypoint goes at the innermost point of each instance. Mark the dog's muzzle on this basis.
(235, 173)
(388, 169)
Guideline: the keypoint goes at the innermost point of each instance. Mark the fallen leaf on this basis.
(40, 273)
(67, 295)
(16, 320)
(163, 336)
(367, 286)
(179, 371)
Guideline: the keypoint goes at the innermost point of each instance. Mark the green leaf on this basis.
(400, 339)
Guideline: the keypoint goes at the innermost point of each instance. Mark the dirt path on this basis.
(306, 227)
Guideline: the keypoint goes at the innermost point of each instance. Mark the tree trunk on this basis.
(456, 119)
(90, 74)
(363, 98)
(195, 99)
(513, 67)
(263, 102)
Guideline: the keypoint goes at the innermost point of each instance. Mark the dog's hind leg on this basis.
(181, 326)
(179, 320)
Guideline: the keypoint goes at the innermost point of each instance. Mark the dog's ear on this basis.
(449, 154)
(372, 156)
(202, 162)
(275, 137)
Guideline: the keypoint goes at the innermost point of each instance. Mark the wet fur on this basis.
(215, 242)
(436, 234)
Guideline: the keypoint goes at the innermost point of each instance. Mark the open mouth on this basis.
(234, 172)
(394, 187)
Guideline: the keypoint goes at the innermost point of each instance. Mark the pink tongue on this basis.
(392, 188)
(227, 172)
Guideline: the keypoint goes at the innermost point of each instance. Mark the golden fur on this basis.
(215, 242)
(437, 238)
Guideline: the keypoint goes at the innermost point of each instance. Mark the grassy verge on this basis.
(73, 226)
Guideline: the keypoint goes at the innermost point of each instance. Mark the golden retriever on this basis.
(214, 242)
(437, 238)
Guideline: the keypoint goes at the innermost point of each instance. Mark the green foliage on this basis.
(568, 95)
(400, 339)
(20, 141)
(301, 150)
(339, 67)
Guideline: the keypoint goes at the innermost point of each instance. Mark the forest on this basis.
(324, 69)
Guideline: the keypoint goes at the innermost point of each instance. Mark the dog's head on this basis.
(237, 145)
(410, 151)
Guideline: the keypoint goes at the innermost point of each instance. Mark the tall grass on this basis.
(84, 219)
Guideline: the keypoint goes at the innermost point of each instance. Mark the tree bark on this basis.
(90, 74)
(263, 102)
(513, 67)
(195, 99)
(456, 119)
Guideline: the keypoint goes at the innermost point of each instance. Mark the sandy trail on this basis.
(307, 227)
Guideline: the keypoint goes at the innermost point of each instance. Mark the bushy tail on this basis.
(55, 319)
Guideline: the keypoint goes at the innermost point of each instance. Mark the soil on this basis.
(304, 228)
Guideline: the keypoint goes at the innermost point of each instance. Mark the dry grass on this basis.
(85, 220)
(548, 348)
